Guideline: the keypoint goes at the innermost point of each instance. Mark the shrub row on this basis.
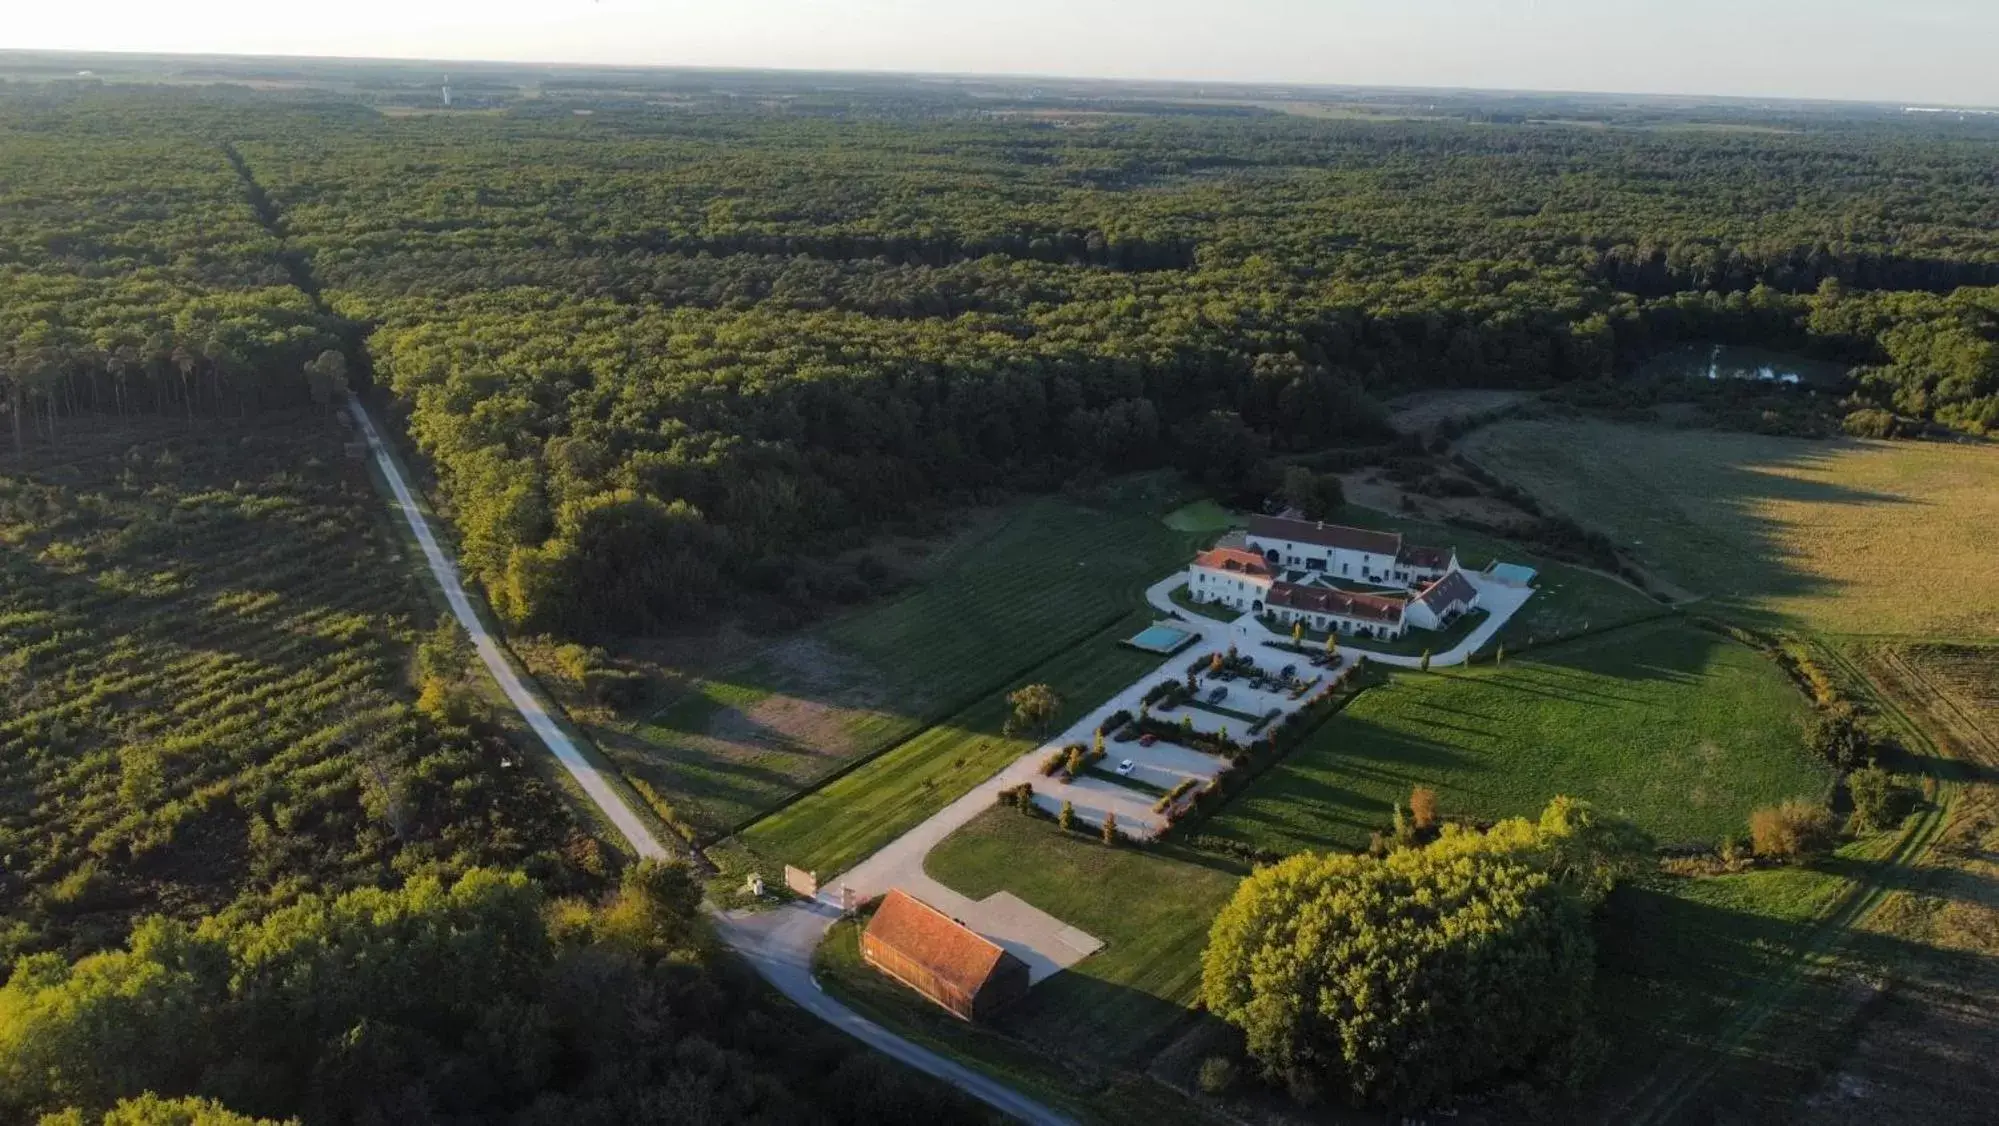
(1179, 791)
(1247, 764)
(1241, 850)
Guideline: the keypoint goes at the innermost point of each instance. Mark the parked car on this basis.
(1125, 734)
(1219, 694)
(1126, 767)
(1148, 739)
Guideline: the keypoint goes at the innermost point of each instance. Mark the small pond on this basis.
(1717, 362)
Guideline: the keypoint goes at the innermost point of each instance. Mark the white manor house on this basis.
(1309, 571)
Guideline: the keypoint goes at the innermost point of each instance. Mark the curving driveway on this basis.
(779, 944)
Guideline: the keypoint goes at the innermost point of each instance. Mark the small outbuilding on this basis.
(941, 958)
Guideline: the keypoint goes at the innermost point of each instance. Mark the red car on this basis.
(1147, 740)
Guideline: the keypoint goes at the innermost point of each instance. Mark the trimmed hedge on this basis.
(1247, 764)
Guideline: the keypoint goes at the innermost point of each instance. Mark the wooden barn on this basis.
(941, 958)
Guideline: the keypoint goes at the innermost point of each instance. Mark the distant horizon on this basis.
(444, 63)
(1875, 52)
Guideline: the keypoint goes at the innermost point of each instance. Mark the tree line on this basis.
(656, 359)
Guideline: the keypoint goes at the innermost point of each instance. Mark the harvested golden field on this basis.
(1847, 536)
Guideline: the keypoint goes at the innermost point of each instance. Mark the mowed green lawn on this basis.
(744, 738)
(832, 828)
(1152, 907)
(1678, 728)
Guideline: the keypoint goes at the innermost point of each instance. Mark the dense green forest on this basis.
(472, 1001)
(664, 358)
(667, 351)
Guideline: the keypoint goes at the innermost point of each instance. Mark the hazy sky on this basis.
(1889, 50)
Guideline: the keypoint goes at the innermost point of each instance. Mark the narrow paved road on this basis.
(778, 943)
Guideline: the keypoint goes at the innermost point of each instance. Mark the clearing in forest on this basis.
(1846, 536)
(740, 739)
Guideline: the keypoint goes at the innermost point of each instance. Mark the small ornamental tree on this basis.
(1405, 833)
(1067, 818)
(1400, 981)
(1424, 664)
(1098, 744)
(1110, 833)
(1423, 808)
(1499, 655)
(1332, 643)
(1034, 706)
(1297, 633)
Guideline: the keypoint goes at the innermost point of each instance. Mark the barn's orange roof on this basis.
(936, 941)
(1239, 560)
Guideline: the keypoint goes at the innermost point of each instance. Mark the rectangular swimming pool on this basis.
(1161, 638)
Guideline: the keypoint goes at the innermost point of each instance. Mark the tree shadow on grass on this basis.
(1683, 980)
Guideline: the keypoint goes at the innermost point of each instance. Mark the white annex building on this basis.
(1354, 554)
(1300, 571)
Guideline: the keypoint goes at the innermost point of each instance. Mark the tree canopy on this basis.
(706, 345)
(469, 1001)
(1401, 980)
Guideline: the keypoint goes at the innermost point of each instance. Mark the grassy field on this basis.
(1151, 907)
(739, 738)
(842, 822)
(1678, 728)
(1681, 960)
(1202, 516)
(1851, 537)
(205, 637)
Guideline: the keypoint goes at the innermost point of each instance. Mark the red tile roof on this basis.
(930, 938)
(1453, 587)
(1325, 535)
(1324, 600)
(1428, 558)
(1240, 560)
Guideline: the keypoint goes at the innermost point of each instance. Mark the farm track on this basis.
(1682, 1078)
